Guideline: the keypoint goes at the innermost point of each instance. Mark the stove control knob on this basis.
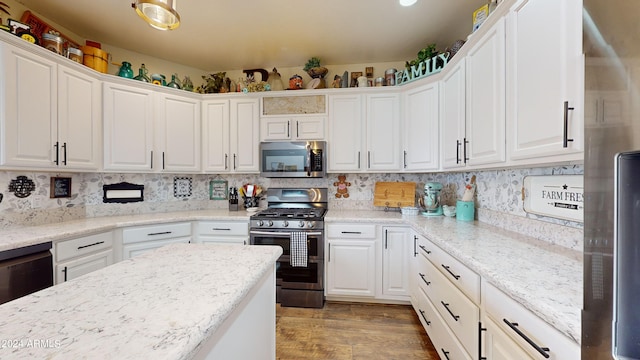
(301, 223)
(285, 223)
(311, 224)
(270, 223)
(260, 223)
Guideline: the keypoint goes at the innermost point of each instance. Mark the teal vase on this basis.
(125, 70)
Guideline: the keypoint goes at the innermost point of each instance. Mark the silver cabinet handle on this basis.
(565, 138)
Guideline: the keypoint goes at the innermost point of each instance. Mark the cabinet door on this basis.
(485, 90)
(134, 249)
(128, 128)
(29, 114)
(275, 129)
(383, 132)
(215, 135)
(345, 133)
(309, 128)
(498, 345)
(396, 252)
(72, 269)
(452, 117)
(178, 133)
(79, 119)
(245, 135)
(421, 128)
(351, 267)
(538, 85)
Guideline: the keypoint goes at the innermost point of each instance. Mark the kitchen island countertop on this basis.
(164, 304)
(544, 278)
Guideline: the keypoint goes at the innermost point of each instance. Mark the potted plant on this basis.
(313, 68)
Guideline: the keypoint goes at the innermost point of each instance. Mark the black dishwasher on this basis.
(24, 271)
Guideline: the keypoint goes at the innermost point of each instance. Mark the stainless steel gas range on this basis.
(290, 213)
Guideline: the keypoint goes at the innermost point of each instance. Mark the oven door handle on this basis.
(281, 234)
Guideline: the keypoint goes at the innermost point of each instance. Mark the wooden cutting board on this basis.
(394, 194)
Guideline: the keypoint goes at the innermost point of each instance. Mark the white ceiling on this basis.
(217, 35)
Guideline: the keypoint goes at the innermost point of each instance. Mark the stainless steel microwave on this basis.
(293, 159)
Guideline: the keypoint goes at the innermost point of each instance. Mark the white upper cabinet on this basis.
(364, 132)
(452, 117)
(245, 135)
(230, 133)
(383, 132)
(51, 114)
(293, 128)
(346, 123)
(79, 119)
(421, 137)
(545, 81)
(485, 98)
(215, 136)
(128, 128)
(178, 133)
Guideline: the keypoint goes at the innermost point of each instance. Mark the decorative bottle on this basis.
(142, 74)
(174, 83)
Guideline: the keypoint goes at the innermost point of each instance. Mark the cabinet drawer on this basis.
(461, 276)
(233, 228)
(155, 232)
(352, 231)
(85, 245)
(444, 341)
(501, 307)
(459, 313)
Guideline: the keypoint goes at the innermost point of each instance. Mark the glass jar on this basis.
(142, 74)
(174, 83)
(53, 42)
(125, 70)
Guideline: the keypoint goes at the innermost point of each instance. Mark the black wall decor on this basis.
(123, 192)
(22, 186)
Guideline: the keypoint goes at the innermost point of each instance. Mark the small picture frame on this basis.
(218, 189)
(60, 187)
(368, 71)
(182, 187)
(354, 78)
(17, 27)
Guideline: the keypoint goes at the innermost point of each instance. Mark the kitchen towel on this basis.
(298, 249)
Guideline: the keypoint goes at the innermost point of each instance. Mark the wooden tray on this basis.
(394, 194)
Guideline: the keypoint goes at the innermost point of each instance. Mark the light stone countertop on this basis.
(544, 278)
(162, 304)
(30, 235)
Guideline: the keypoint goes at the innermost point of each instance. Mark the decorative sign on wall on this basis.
(558, 196)
(22, 186)
(423, 69)
(60, 187)
(182, 186)
(123, 192)
(218, 189)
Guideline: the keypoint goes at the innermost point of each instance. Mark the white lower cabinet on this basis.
(351, 260)
(396, 250)
(140, 239)
(453, 316)
(223, 232)
(498, 345)
(513, 328)
(79, 256)
(367, 262)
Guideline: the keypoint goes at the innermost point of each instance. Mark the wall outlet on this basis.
(36, 202)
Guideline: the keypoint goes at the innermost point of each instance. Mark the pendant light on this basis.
(160, 14)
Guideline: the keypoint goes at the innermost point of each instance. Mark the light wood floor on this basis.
(351, 331)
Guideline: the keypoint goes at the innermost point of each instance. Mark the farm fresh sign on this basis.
(422, 69)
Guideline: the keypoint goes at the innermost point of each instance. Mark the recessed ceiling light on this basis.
(407, 2)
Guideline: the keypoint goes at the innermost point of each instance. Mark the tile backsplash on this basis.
(498, 197)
